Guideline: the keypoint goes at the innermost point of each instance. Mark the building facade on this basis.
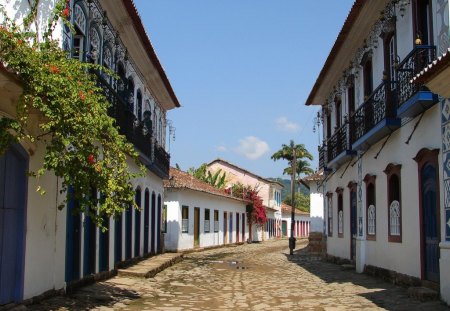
(382, 151)
(269, 191)
(302, 222)
(316, 210)
(197, 215)
(44, 249)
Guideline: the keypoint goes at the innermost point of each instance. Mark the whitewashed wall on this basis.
(176, 198)
(316, 206)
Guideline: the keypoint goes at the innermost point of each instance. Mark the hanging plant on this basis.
(82, 144)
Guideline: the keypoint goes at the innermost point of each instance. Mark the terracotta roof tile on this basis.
(285, 208)
(182, 180)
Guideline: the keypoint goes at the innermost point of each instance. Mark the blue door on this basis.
(353, 224)
(73, 239)
(146, 220)
(118, 239)
(104, 246)
(13, 189)
(158, 226)
(230, 235)
(430, 210)
(89, 246)
(137, 224)
(128, 235)
(153, 225)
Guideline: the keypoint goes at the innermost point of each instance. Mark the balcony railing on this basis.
(138, 133)
(338, 143)
(322, 160)
(375, 118)
(414, 62)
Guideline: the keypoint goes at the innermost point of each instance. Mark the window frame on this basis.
(340, 211)
(207, 229)
(329, 196)
(216, 222)
(390, 171)
(369, 180)
(184, 208)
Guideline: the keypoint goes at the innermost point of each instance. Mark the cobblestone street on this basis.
(248, 277)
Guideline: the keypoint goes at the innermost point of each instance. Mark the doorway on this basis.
(13, 189)
(353, 222)
(225, 231)
(196, 227)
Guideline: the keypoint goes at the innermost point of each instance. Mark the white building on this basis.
(45, 250)
(269, 191)
(386, 203)
(302, 222)
(314, 183)
(198, 215)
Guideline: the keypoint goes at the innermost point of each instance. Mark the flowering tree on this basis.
(83, 145)
(256, 212)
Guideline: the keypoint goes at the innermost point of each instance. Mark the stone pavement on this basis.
(150, 267)
(248, 277)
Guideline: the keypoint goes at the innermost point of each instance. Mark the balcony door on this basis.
(423, 22)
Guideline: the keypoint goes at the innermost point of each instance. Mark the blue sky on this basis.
(242, 70)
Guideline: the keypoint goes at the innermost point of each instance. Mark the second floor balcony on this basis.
(375, 118)
(139, 133)
(414, 98)
(338, 147)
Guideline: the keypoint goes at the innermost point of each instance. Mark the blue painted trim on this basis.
(158, 225)
(153, 224)
(342, 157)
(417, 103)
(388, 124)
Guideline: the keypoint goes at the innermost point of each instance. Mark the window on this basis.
(371, 211)
(94, 49)
(207, 218)
(80, 31)
(338, 113)
(185, 219)
(351, 95)
(340, 212)
(366, 63)
(216, 221)
(423, 22)
(394, 203)
(164, 220)
(330, 213)
(139, 105)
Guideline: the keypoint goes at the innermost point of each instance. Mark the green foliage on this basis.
(302, 201)
(216, 180)
(83, 146)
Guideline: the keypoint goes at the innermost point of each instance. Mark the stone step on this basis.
(150, 267)
(347, 267)
(423, 293)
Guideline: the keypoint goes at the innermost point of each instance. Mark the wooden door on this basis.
(225, 228)
(237, 227)
(103, 260)
(118, 239)
(243, 227)
(284, 227)
(430, 223)
(137, 223)
(153, 225)
(196, 227)
(353, 224)
(146, 220)
(73, 239)
(231, 228)
(13, 189)
(128, 235)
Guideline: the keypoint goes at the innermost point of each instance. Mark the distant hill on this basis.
(286, 191)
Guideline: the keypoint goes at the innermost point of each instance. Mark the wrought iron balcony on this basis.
(161, 162)
(339, 149)
(138, 133)
(322, 160)
(414, 98)
(375, 118)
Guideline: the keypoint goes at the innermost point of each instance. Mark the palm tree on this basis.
(302, 156)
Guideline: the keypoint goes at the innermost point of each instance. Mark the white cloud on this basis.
(252, 147)
(284, 124)
(221, 148)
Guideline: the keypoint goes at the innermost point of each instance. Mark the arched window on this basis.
(394, 203)
(139, 104)
(78, 40)
(330, 213)
(94, 46)
(371, 211)
(130, 97)
(340, 211)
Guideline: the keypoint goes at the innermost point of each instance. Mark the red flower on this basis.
(91, 159)
(81, 95)
(66, 12)
(54, 69)
(20, 42)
